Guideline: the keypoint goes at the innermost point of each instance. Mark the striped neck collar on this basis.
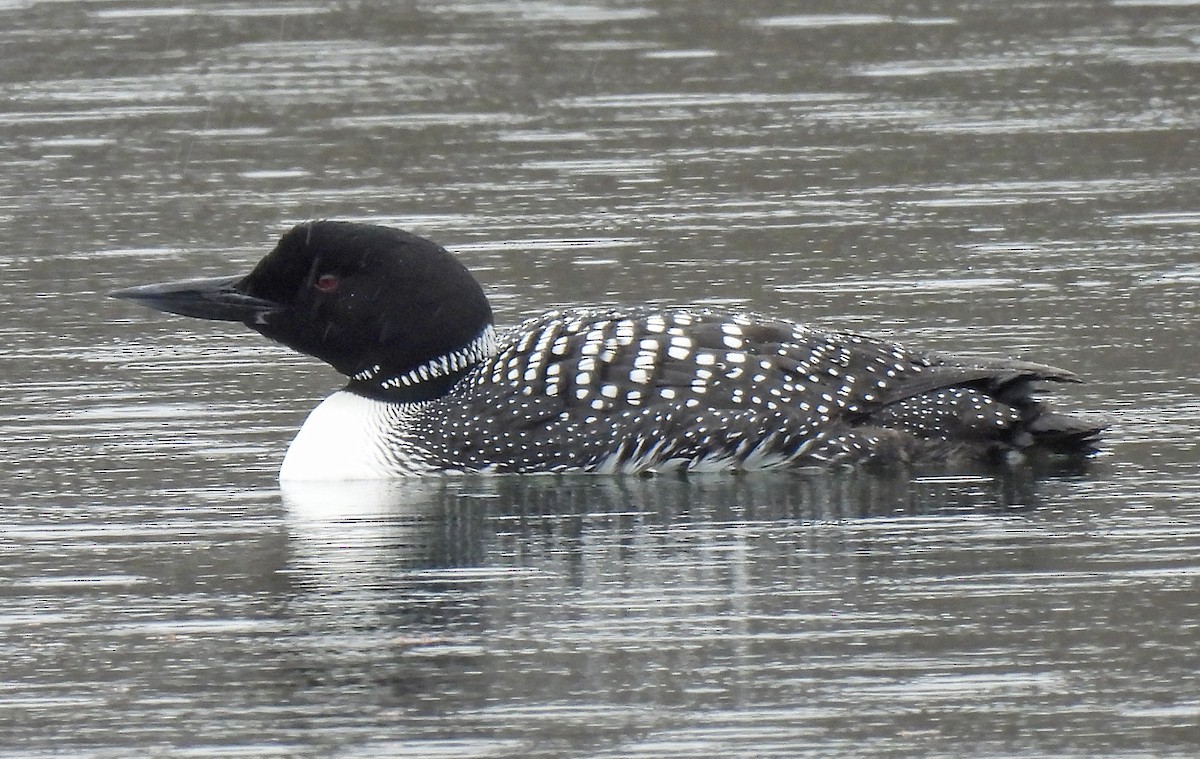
(429, 380)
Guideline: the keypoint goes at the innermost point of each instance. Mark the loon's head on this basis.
(394, 312)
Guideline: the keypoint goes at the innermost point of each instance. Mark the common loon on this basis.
(435, 388)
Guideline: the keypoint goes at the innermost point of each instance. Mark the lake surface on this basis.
(1016, 178)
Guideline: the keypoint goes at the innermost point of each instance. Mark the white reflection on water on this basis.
(827, 21)
(181, 11)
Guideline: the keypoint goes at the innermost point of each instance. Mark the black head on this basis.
(374, 302)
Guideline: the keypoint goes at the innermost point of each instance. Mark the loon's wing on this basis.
(631, 388)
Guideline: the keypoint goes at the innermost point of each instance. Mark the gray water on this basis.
(1012, 178)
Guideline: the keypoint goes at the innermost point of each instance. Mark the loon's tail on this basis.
(979, 408)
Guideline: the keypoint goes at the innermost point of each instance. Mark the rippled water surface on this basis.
(1016, 178)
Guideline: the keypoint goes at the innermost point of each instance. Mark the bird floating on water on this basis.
(435, 388)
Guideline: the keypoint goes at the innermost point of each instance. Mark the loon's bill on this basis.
(435, 388)
(210, 298)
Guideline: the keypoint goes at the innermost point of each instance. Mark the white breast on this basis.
(346, 437)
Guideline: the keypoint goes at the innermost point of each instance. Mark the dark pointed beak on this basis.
(215, 298)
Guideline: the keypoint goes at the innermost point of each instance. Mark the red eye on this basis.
(327, 283)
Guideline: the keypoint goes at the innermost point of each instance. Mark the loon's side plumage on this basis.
(434, 388)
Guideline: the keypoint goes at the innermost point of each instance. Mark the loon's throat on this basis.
(429, 380)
